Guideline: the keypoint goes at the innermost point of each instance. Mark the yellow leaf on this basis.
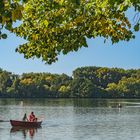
(14, 16)
(46, 23)
(3, 20)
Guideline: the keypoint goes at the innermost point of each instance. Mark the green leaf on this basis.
(137, 27)
(4, 36)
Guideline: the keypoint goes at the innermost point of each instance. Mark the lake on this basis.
(72, 119)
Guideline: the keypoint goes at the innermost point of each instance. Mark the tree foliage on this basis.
(10, 12)
(52, 27)
(93, 82)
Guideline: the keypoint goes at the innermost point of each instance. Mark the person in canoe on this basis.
(32, 117)
(119, 106)
(25, 117)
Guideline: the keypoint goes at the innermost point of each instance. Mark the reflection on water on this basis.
(25, 131)
(65, 102)
(72, 119)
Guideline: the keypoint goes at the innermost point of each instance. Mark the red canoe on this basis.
(25, 124)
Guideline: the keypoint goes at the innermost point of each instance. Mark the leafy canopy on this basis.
(61, 26)
(10, 11)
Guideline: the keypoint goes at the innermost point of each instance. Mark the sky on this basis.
(122, 55)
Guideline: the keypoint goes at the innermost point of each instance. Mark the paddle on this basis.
(4, 120)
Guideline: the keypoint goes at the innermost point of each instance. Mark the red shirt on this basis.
(31, 117)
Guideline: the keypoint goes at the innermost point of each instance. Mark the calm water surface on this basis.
(72, 119)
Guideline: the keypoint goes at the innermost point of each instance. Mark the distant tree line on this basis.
(86, 82)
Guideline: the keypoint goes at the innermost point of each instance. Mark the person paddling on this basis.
(32, 117)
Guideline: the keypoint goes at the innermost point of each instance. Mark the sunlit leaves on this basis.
(52, 27)
(10, 11)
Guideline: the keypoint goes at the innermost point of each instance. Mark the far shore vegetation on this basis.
(85, 82)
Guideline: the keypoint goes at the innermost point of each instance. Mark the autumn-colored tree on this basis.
(52, 27)
(95, 82)
(61, 26)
